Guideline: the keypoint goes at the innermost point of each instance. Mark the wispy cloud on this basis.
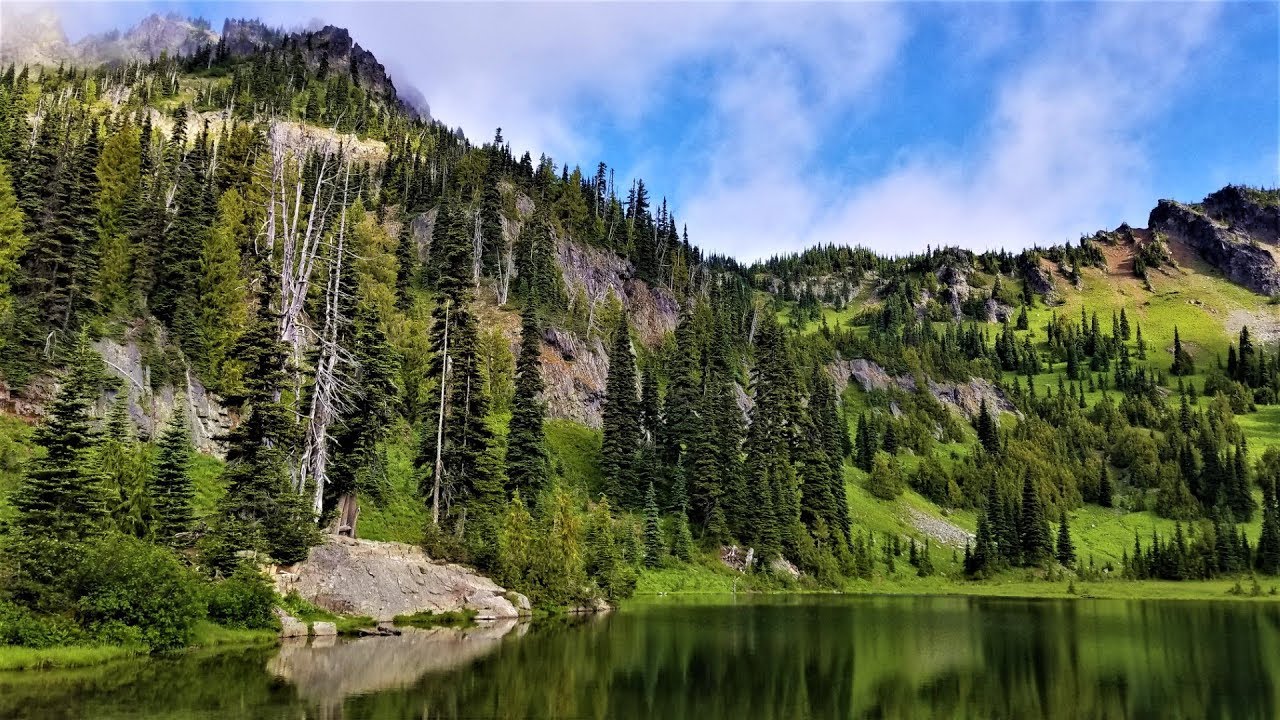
(751, 116)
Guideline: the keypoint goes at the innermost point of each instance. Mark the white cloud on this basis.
(1061, 151)
(1061, 154)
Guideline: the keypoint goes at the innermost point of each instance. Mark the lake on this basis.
(713, 659)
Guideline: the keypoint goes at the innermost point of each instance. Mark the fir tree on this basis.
(527, 463)
(652, 530)
(1033, 531)
(171, 487)
(621, 437)
(60, 502)
(1066, 550)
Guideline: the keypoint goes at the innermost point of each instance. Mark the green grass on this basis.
(428, 619)
(575, 453)
(210, 634)
(308, 613)
(402, 515)
(69, 656)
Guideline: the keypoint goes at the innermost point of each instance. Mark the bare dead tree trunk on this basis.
(506, 269)
(477, 250)
(439, 466)
(327, 390)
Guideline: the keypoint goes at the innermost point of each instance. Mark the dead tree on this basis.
(329, 391)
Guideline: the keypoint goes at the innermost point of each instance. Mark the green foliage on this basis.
(622, 431)
(131, 592)
(528, 466)
(60, 502)
(171, 488)
(885, 481)
(243, 600)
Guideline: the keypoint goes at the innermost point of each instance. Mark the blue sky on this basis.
(773, 127)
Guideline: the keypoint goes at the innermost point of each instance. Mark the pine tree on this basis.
(652, 530)
(527, 463)
(125, 472)
(621, 438)
(60, 502)
(1033, 531)
(1268, 550)
(772, 503)
(466, 462)
(260, 511)
(119, 172)
(13, 242)
(1066, 550)
(223, 310)
(681, 537)
(988, 430)
(866, 444)
(1106, 489)
(171, 488)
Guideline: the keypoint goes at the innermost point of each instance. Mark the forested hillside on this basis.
(368, 323)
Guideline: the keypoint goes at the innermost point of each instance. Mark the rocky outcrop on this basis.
(966, 397)
(152, 407)
(38, 38)
(574, 369)
(381, 580)
(652, 311)
(1233, 251)
(574, 373)
(1253, 212)
(1041, 282)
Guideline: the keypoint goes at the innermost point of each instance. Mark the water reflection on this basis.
(776, 658)
(326, 671)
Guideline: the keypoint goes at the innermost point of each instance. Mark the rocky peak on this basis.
(242, 37)
(1254, 212)
(1225, 244)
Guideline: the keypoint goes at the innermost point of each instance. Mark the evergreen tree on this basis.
(171, 487)
(119, 173)
(527, 463)
(653, 545)
(13, 242)
(1066, 550)
(260, 511)
(681, 537)
(223, 310)
(60, 502)
(771, 506)
(622, 432)
(125, 472)
(1033, 531)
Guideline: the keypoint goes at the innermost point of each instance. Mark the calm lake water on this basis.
(806, 657)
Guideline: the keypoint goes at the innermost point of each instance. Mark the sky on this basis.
(773, 127)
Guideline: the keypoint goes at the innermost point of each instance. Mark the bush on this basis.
(20, 626)
(132, 592)
(244, 600)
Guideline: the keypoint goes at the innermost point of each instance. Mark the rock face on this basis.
(1252, 212)
(381, 580)
(1225, 245)
(574, 370)
(38, 37)
(574, 375)
(153, 407)
(966, 397)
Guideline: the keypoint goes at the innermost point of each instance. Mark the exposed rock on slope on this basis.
(966, 397)
(151, 405)
(1225, 246)
(382, 580)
